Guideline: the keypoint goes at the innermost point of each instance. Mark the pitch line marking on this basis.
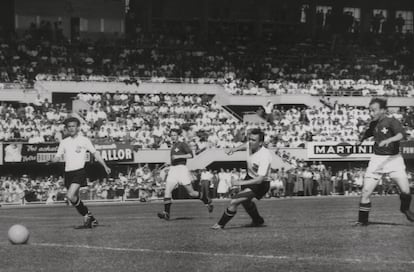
(230, 255)
(66, 217)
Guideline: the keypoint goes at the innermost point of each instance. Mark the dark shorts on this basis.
(76, 176)
(259, 190)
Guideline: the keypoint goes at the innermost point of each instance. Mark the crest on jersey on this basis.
(255, 168)
(384, 130)
(78, 149)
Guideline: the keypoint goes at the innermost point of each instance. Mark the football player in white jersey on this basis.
(73, 151)
(255, 185)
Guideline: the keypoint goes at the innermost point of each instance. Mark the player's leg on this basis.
(185, 180)
(74, 198)
(74, 181)
(230, 212)
(191, 192)
(252, 211)
(200, 195)
(370, 182)
(372, 177)
(170, 184)
(405, 196)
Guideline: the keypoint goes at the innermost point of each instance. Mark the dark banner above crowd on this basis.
(41, 153)
(28, 153)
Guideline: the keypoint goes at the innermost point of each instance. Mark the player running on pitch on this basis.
(387, 133)
(256, 183)
(178, 174)
(73, 150)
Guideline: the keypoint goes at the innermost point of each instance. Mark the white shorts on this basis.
(177, 175)
(382, 164)
(276, 184)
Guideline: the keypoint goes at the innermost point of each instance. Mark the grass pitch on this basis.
(301, 234)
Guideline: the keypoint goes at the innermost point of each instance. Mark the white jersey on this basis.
(74, 151)
(258, 163)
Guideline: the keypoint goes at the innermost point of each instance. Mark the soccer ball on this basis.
(18, 234)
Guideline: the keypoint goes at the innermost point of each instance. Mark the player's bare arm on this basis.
(241, 147)
(184, 156)
(396, 138)
(102, 162)
(366, 135)
(256, 180)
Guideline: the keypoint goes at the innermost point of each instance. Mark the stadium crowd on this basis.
(319, 87)
(378, 64)
(145, 121)
(144, 184)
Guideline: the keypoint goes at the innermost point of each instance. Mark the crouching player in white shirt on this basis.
(255, 185)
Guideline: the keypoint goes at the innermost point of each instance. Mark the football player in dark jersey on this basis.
(387, 133)
(178, 174)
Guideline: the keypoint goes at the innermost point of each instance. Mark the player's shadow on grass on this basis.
(80, 227)
(385, 223)
(182, 218)
(245, 227)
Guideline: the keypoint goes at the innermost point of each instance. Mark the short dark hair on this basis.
(381, 102)
(176, 130)
(72, 119)
(258, 131)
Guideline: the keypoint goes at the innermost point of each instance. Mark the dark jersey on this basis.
(383, 129)
(180, 148)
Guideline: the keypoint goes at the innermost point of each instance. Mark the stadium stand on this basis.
(378, 64)
(144, 120)
(374, 64)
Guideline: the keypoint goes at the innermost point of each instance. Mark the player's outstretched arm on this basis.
(368, 133)
(360, 141)
(102, 162)
(241, 147)
(365, 135)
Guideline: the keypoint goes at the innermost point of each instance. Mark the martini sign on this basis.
(335, 150)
